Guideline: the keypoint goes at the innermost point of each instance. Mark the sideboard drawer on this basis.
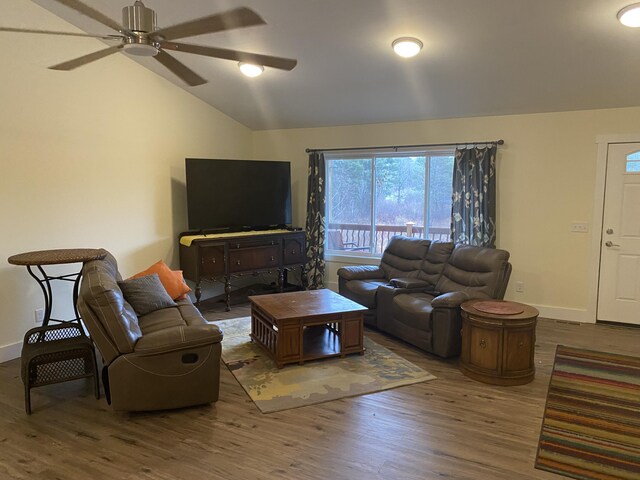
(293, 251)
(212, 260)
(251, 242)
(259, 258)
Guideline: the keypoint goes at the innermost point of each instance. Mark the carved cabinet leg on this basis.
(198, 294)
(227, 292)
(303, 278)
(280, 280)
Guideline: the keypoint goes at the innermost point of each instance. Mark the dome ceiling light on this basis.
(630, 15)
(251, 70)
(407, 46)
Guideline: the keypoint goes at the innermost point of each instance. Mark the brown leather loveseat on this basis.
(420, 303)
(168, 358)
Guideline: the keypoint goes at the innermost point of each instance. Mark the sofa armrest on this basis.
(455, 299)
(360, 272)
(177, 338)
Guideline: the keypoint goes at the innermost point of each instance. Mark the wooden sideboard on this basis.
(222, 257)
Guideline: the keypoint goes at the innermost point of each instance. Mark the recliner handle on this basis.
(189, 358)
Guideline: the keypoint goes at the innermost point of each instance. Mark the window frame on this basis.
(428, 153)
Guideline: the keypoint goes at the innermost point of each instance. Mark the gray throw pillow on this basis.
(146, 294)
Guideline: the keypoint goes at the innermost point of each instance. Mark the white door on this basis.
(619, 287)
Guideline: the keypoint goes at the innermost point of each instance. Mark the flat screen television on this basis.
(234, 195)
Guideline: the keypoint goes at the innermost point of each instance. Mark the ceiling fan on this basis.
(139, 36)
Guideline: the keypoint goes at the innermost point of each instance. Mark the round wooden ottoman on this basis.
(498, 341)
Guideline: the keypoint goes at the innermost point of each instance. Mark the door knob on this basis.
(611, 244)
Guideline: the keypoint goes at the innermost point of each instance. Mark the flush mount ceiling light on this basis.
(407, 46)
(250, 69)
(630, 15)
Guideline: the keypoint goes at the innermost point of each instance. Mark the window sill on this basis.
(357, 259)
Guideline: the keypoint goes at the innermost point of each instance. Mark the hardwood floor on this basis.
(452, 427)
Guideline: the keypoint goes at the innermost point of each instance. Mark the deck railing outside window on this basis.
(357, 237)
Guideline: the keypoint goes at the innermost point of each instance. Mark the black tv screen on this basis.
(237, 194)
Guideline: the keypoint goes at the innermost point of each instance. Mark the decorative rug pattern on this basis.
(317, 381)
(591, 424)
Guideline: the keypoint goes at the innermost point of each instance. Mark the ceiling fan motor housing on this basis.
(139, 18)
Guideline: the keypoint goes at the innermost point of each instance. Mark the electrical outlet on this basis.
(520, 287)
(39, 315)
(580, 227)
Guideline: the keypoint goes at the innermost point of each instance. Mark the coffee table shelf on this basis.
(320, 341)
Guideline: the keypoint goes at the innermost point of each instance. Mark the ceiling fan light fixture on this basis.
(250, 69)
(140, 49)
(629, 16)
(407, 46)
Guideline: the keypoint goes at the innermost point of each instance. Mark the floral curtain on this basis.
(473, 207)
(315, 221)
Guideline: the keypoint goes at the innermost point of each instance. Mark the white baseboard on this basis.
(331, 286)
(9, 352)
(562, 313)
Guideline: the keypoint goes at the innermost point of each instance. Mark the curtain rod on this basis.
(396, 147)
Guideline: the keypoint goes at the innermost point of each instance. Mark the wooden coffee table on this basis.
(299, 326)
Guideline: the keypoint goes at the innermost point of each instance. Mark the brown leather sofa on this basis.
(168, 358)
(423, 306)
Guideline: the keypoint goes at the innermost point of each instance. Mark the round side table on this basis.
(36, 260)
(498, 341)
(52, 354)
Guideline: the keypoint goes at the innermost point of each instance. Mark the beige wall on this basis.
(91, 158)
(546, 175)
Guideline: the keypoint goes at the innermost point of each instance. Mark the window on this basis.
(633, 163)
(375, 195)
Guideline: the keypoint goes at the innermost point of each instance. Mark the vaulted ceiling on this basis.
(486, 57)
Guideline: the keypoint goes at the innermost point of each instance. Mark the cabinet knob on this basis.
(213, 260)
(293, 252)
(272, 258)
(238, 262)
(483, 343)
(237, 245)
(521, 344)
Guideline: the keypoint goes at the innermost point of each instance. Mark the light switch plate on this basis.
(580, 227)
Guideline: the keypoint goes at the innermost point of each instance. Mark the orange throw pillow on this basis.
(172, 280)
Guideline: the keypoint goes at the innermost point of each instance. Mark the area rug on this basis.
(591, 424)
(318, 381)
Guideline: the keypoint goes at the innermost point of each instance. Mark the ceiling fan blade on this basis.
(71, 34)
(92, 13)
(239, 17)
(187, 75)
(80, 61)
(265, 60)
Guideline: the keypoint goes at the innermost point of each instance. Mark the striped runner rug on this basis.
(591, 424)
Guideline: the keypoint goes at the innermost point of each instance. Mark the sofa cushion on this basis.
(413, 310)
(172, 280)
(471, 268)
(403, 256)
(190, 314)
(363, 291)
(146, 294)
(433, 265)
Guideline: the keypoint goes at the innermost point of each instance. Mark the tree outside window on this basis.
(373, 196)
